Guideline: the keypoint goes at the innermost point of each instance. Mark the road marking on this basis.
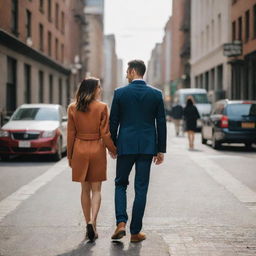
(238, 189)
(11, 202)
(220, 175)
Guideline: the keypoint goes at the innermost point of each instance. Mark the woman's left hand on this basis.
(69, 163)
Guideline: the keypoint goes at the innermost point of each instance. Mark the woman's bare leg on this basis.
(189, 139)
(86, 200)
(96, 200)
(192, 138)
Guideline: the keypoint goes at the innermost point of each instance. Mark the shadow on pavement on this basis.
(117, 249)
(30, 158)
(235, 148)
(195, 150)
(84, 248)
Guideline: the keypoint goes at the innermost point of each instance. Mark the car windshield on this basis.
(241, 110)
(199, 98)
(36, 114)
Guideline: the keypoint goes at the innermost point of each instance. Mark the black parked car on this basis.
(230, 122)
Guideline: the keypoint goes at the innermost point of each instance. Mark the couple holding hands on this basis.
(134, 134)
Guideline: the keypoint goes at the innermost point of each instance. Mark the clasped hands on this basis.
(158, 159)
(114, 156)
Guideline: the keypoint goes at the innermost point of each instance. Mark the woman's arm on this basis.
(71, 133)
(105, 133)
(114, 118)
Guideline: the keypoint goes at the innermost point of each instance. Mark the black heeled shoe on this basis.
(91, 232)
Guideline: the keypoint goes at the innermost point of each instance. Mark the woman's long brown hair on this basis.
(86, 93)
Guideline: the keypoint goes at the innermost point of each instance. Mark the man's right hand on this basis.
(159, 158)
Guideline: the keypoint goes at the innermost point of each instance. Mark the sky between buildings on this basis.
(137, 25)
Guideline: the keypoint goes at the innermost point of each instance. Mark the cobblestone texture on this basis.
(210, 241)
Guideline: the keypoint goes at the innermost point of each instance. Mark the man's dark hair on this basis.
(138, 65)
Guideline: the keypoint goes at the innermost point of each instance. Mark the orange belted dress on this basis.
(88, 137)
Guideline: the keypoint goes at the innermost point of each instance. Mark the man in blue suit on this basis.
(138, 129)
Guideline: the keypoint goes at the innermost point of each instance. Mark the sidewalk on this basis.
(188, 214)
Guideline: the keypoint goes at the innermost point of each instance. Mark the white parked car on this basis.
(35, 129)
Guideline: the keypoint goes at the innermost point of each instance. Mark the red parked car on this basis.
(35, 129)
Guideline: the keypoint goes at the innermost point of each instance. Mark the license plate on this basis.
(248, 125)
(24, 144)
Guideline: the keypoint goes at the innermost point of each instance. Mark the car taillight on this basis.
(224, 122)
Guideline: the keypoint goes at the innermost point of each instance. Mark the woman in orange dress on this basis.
(88, 137)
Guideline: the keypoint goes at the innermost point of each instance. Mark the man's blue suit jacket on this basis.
(137, 119)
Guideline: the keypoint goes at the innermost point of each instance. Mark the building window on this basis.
(62, 53)
(49, 43)
(233, 30)
(201, 81)
(27, 80)
(240, 29)
(41, 37)
(50, 10)
(219, 28)
(254, 21)
(60, 91)
(68, 91)
(41, 6)
(247, 25)
(196, 81)
(57, 15)
(206, 81)
(14, 21)
(50, 89)
(202, 42)
(213, 31)
(28, 23)
(11, 85)
(56, 49)
(41, 86)
(62, 22)
(212, 87)
(220, 77)
(207, 37)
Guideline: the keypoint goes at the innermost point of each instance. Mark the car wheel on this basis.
(58, 155)
(5, 157)
(215, 144)
(203, 140)
(248, 145)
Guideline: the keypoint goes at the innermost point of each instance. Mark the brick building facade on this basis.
(180, 51)
(243, 24)
(39, 61)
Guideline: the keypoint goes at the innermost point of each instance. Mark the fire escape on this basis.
(185, 48)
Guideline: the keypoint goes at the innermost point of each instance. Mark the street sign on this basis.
(232, 49)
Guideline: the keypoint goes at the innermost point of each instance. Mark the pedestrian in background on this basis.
(87, 138)
(191, 115)
(177, 115)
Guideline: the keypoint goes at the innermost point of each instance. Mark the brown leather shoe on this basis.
(120, 231)
(138, 237)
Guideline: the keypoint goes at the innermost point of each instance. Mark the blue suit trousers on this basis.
(141, 182)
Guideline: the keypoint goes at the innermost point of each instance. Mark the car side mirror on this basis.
(64, 119)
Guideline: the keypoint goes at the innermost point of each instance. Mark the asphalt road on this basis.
(200, 202)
